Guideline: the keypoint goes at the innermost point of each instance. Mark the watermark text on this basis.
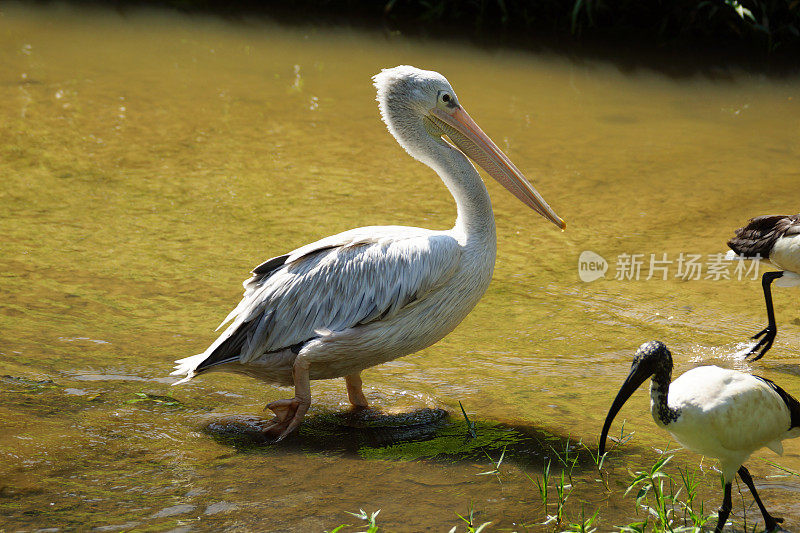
(663, 266)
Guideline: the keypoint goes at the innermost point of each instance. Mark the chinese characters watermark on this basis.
(686, 266)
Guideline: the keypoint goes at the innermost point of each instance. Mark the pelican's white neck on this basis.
(475, 217)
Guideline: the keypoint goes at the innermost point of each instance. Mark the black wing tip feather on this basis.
(205, 365)
(228, 350)
(757, 238)
(788, 399)
(270, 265)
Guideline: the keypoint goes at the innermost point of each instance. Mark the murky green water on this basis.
(149, 161)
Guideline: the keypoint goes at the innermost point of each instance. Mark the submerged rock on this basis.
(421, 434)
(346, 431)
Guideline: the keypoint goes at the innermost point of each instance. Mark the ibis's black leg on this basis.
(769, 522)
(771, 330)
(725, 510)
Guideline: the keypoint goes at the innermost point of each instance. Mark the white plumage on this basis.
(324, 289)
(726, 414)
(775, 238)
(719, 413)
(786, 247)
(353, 300)
(786, 256)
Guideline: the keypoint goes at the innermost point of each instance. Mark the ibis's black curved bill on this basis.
(637, 376)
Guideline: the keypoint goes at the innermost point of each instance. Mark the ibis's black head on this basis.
(652, 358)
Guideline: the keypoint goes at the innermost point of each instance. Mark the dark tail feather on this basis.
(229, 349)
(791, 402)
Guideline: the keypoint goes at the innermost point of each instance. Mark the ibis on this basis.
(776, 238)
(366, 296)
(719, 413)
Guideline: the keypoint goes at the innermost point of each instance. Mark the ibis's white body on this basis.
(726, 415)
(785, 255)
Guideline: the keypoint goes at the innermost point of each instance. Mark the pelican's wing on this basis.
(336, 283)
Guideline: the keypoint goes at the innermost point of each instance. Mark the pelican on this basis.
(715, 412)
(777, 238)
(366, 296)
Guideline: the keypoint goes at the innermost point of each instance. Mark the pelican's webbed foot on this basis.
(289, 414)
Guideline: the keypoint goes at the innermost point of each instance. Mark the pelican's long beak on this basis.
(470, 139)
(638, 375)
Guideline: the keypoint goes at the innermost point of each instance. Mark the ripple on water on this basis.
(107, 377)
(220, 507)
(82, 339)
(174, 510)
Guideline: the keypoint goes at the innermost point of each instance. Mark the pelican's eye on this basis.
(446, 100)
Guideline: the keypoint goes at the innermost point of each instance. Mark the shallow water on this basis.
(150, 160)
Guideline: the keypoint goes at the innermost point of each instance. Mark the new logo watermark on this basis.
(591, 266)
(685, 266)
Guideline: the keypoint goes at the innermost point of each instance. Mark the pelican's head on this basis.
(651, 358)
(417, 103)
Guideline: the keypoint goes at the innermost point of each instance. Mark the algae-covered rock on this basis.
(422, 434)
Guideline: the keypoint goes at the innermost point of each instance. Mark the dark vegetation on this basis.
(761, 34)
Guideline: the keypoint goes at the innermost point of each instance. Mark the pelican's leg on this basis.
(354, 392)
(772, 329)
(289, 413)
(725, 510)
(769, 522)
